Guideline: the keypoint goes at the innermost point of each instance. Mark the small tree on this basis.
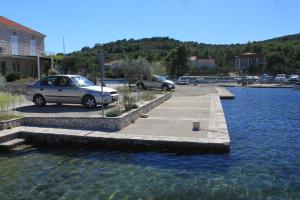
(128, 101)
(133, 69)
(157, 68)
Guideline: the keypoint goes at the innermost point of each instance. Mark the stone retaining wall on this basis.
(121, 144)
(10, 123)
(96, 123)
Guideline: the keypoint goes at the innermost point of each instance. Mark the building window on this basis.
(33, 47)
(244, 63)
(14, 45)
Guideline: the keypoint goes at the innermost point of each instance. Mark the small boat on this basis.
(297, 85)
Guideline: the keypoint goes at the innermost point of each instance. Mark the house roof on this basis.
(249, 55)
(211, 61)
(112, 62)
(17, 26)
(193, 58)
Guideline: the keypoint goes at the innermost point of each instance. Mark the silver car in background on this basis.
(158, 82)
(70, 89)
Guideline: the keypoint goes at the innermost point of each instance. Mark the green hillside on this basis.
(280, 55)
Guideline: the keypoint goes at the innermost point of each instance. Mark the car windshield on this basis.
(82, 82)
(162, 78)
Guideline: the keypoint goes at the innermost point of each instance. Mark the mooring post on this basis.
(196, 126)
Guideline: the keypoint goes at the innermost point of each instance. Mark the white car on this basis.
(158, 82)
(280, 78)
(255, 78)
(183, 80)
(294, 78)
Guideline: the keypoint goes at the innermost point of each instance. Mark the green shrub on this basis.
(128, 101)
(12, 77)
(114, 113)
(132, 106)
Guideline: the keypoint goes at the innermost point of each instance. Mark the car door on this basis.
(68, 92)
(157, 83)
(153, 82)
(48, 88)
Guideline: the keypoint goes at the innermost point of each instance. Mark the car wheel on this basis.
(165, 88)
(39, 100)
(89, 102)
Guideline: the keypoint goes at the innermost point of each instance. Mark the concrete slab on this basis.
(11, 143)
(224, 93)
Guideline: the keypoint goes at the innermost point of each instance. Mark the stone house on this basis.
(248, 62)
(203, 63)
(22, 50)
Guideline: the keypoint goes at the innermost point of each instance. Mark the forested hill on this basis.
(280, 54)
(287, 38)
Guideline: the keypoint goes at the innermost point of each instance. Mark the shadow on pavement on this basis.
(57, 109)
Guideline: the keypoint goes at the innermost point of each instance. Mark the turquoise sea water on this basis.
(263, 163)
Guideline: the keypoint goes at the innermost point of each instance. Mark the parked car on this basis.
(199, 80)
(238, 79)
(71, 89)
(183, 80)
(280, 78)
(158, 82)
(249, 79)
(255, 78)
(265, 78)
(294, 78)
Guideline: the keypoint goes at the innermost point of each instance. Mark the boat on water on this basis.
(297, 85)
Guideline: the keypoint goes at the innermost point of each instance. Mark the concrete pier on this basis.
(168, 127)
(224, 93)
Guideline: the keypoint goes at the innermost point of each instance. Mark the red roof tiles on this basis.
(18, 26)
(212, 61)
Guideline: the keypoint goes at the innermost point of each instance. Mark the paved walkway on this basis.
(175, 117)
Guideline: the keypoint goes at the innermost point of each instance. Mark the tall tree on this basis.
(177, 61)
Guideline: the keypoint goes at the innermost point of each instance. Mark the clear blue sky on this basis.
(86, 22)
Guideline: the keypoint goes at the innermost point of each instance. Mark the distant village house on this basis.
(202, 63)
(22, 50)
(249, 62)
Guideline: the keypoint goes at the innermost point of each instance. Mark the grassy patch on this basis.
(8, 101)
(115, 112)
(8, 117)
(149, 95)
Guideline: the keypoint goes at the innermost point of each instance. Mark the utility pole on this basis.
(64, 46)
(38, 68)
(101, 63)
